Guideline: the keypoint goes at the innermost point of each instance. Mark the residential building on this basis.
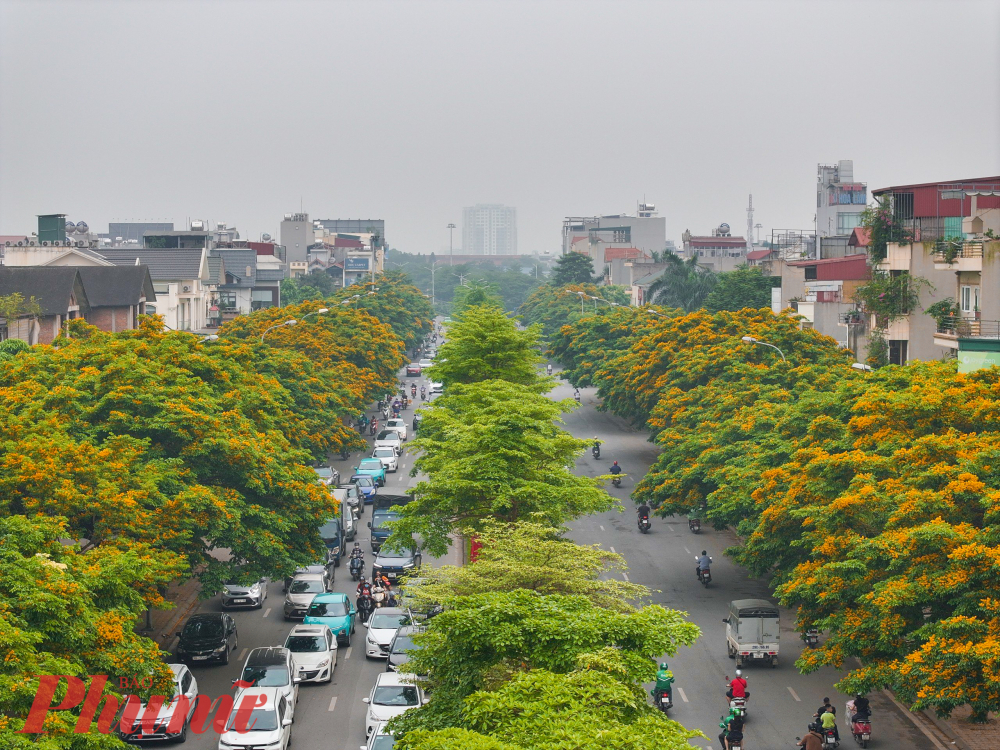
(347, 227)
(643, 277)
(297, 234)
(117, 295)
(58, 291)
(822, 292)
(718, 251)
(646, 230)
(489, 229)
(132, 232)
(840, 200)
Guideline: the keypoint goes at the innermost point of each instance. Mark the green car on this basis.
(372, 467)
(336, 612)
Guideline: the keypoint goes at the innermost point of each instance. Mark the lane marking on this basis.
(601, 527)
(794, 695)
(682, 694)
(242, 655)
(215, 703)
(333, 703)
(613, 551)
(625, 575)
(687, 550)
(267, 612)
(347, 654)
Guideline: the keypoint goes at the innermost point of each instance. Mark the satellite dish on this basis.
(82, 228)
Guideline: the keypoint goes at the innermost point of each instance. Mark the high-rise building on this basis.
(297, 235)
(489, 229)
(839, 199)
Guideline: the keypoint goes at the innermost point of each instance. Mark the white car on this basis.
(381, 738)
(425, 363)
(388, 457)
(393, 694)
(167, 727)
(271, 667)
(389, 439)
(314, 652)
(399, 426)
(382, 626)
(269, 726)
(437, 387)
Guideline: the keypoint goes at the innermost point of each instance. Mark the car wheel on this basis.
(225, 658)
(347, 641)
(182, 737)
(236, 642)
(260, 603)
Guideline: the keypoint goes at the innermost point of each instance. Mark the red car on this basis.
(413, 369)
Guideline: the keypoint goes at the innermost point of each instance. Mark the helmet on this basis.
(616, 463)
(705, 553)
(663, 665)
(739, 672)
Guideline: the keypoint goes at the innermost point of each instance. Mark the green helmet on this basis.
(663, 665)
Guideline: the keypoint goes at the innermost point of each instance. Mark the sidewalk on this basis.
(964, 735)
(166, 622)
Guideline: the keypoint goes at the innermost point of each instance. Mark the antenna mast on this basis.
(750, 225)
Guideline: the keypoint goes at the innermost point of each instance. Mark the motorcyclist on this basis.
(732, 728)
(664, 680)
(374, 426)
(705, 563)
(862, 709)
(828, 721)
(812, 741)
(643, 510)
(738, 687)
(363, 587)
(356, 551)
(576, 395)
(365, 605)
(548, 369)
(413, 389)
(615, 469)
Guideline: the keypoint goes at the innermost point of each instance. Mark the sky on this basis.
(407, 111)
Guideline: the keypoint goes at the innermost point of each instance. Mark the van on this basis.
(752, 632)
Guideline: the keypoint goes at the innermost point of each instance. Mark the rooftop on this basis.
(994, 182)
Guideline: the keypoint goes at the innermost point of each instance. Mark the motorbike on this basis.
(576, 395)
(811, 637)
(596, 450)
(365, 607)
(741, 705)
(373, 427)
(695, 525)
(344, 454)
(413, 390)
(423, 393)
(861, 729)
(663, 700)
(616, 480)
(357, 567)
(548, 369)
(379, 596)
(385, 412)
(644, 524)
(704, 576)
(829, 739)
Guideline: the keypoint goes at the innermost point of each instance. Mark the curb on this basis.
(946, 729)
(180, 612)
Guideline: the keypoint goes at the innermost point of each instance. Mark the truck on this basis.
(384, 510)
(752, 632)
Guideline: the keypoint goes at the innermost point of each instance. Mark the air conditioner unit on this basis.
(7, 243)
(81, 243)
(31, 243)
(45, 243)
(20, 243)
(186, 289)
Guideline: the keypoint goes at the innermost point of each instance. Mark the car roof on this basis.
(389, 611)
(330, 596)
(386, 434)
(272, 694)
(176, 669)
(309, 577)
(403, 421)
(369, 460)
(207, 616)
(308, 630)
(267, 655)
(393, 678)
(384, 448)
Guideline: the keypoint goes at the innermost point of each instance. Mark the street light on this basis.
(582, 296)
(293, 321)
(431, 268)
(451, 244)
(752, 340)
(862, 367)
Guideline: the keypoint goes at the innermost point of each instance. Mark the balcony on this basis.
(949, 331)
(956, 255)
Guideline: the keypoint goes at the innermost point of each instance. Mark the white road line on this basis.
(243, 654)
(347, 654)
(613, 551)
(601, 527)
(215, 703)
(267, 612)
(794, 695)
(687, 550)
(625, 575)
(682, 694)
(333, 703)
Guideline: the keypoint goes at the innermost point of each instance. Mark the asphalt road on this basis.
(782, 701)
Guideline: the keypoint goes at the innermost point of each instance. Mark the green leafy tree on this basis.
(745, 287)
(491, 450)
(487, 345)
(883, 227)
(394, 301)
(476, 293)
(552, 307)
(684, 284)
(317, 285)
(572, 268)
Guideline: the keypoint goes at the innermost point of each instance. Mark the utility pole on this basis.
(451, 244)
(750, 224)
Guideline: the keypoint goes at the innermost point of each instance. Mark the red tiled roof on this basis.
(345, 242)
(619, 253)
(978, 181)
(860, 237)
(758, 254)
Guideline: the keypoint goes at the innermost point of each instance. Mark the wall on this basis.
(112, 319)
(296, 236)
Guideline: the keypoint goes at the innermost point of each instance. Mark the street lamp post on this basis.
(451, 244)
(293, 321)
(752, 340)
(582, 296)
(431, 268)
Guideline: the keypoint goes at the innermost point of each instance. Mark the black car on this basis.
(395, 565)
(207, 637)
(332, 534)
(402, 643)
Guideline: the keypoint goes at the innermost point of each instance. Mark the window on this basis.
(953, 228)
(186, 683)
(969, 298)
(902, 206)
(810, 273)
(897, 351)
(227, 300)
(847, 222)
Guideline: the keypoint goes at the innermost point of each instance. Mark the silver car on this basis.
(301, 591)
(242, 595)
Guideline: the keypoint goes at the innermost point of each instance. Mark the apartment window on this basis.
(902, 206)
(227, 300)
(969, 298)
(897, 351)
(810, 273)
(953, 228)
(847, 222)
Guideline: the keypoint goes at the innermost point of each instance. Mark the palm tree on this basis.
(683, 284)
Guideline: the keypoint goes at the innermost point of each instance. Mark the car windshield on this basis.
(387, 435)
(381, 517)
(261, 720)
(386, 452)
(266, 675)
(364, 481)
(395, 695)
(383, 743)
(330, 530)
(327, 609)
(369, 464)
(385, 622)
(306, 644)
(202, 629)
(324, 473)
(237, 585)
(401, 644)
(306, 587)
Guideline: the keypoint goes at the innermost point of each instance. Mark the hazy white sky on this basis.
(408, 111)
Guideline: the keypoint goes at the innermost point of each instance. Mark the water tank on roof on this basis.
(70, 226)
(82, 228)
(724, 229)
(265, 237)
(197, 226)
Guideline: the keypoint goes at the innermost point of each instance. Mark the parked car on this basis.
(332, 534)
(437, 387)
(400, 648)
(270, 667)
(367, 486)
(300, 594)
(184, 685)
(389, 439)
(382, 626)
(210, 636)
(373, 468)
(336, 612)
(392, 695)
(380, 739)
(395, 564)
(314, 652)
(388, 457)
(321, 568)
(235, 594)
(269, 726)
(413, 369)
(399, 425)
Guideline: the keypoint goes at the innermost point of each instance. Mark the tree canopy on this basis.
(684, 284)
(744, 287)
(552, 307)
(572, 268)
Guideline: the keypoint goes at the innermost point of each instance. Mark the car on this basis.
(437, 387)
(373, 468)
(269, 726)
(388, 457)
(300, 594)
(401, 647)
(413, 369)
(380, 739)
(185, 686)
(314, 652)
(327, 475)
(396, 564)
(209, 636)
(417, 419)
(392, 695)
(389, 439)
(336, 612)
(236, 594)
(367, 486)
(382, 626)
(399, 426)
(270, 667)
(319, 568)
(380, 517)
(332, 534)
(425, 363)
(353, 497)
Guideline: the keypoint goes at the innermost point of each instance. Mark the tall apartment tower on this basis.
(489, 229)
(839, 199)
(296, 235)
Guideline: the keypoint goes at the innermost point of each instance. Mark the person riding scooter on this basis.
(642, 515)
(664, 682)
(365, 605)
(616, 470)
(738, 687)
(596, 449)
(413, 390)
(704, 563)
(423, 392)
(732, 728)
(576, 395)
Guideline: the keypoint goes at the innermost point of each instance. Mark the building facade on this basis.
(296, 234)
(840, 200)
(718, 251)
(646, 230)
(489, 229)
